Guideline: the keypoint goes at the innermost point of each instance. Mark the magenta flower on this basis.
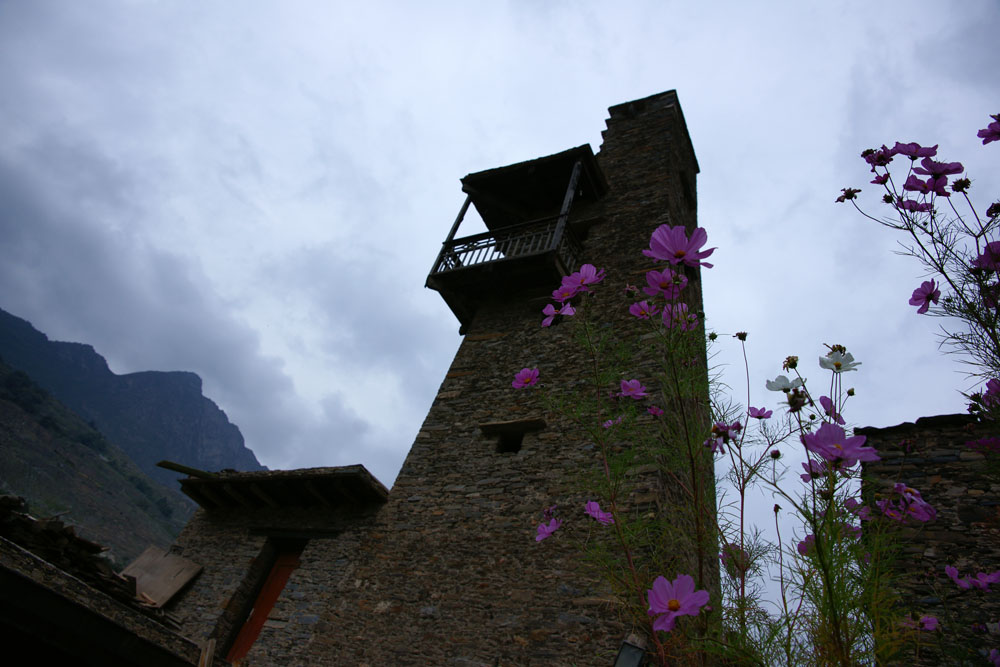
(813, 470)
(989, 259)
(643, 310)
(847, 194)
(991, 132)
(914, 150)
(671, 244)
(994, 655)
(906, 503)
(914, 184)
(613, 422)
(806, 545)
(654, 410)
(587, 275)
(914, 206)
(926, 623)
(722, 433)
(925, 295)
(881, 180)
(525, 378)
(878, 158)
(935, 169)
(674, 598)
(760, 413)
(594, 510)
(565, 293)
(854, 506)
(677, 315)
(551, 311)
(830, 410)
(632, 389)
(545, 530)
(831, 442)
(667, 283)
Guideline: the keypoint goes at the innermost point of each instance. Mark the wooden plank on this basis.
(207, 656)
(284, 565)
(159, 575)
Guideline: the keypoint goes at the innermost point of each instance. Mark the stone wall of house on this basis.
(932, 457)
(234, 549)
(450, 574)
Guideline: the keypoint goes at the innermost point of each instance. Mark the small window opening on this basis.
(510, 435)
(508, 443)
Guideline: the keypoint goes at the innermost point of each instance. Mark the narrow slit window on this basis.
(509, 436)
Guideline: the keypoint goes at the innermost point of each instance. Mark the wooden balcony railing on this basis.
(536, 237)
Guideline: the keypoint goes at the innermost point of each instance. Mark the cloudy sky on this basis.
(255, 191)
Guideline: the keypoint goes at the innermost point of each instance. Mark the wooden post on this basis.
(567, 203)
(451, 234)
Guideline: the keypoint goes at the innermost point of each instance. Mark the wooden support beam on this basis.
(187, 470)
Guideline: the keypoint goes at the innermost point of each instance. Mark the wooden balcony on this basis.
(532, 239)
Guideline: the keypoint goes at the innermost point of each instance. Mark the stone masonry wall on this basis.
(230, 545)
(931, 456)
(450, 573)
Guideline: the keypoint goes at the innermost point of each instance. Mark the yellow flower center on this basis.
(679, 253)
(674, 605)
(839, 446)
(837, 364)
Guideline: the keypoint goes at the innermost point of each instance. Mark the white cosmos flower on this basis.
(839, 362)
(782, 383)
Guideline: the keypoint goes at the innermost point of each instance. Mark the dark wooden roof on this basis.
(534, 189)
(339, 486)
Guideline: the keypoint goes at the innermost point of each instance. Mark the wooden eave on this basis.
(344, 486)
(519, 192)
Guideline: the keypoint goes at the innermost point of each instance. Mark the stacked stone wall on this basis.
(932, 457)
(232, 547)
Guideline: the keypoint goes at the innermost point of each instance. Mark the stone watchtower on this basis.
(451, 574)
(325, 567)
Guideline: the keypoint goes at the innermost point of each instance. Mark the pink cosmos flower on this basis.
(906, 503)
(587, 275)
(671, 244)
(654, 410)
(855, 507)
(594, 510)
(933, 168)
(525, 378)
(925, 295)
(881, 180)
(981, 581)
(564, 293)
(545, 530)
(760, 413)
(667, 283)
(830, 411)
(613, 422)
(989, 259)
(878, 158)
(722, 433)
(926, 623)
(914, 206)
(813, 470)
(991, 132)
(551, 311)
(994, 653)
(643, 310)
(806, 545)
(632, 389)
(674, 598)
(914, 150)
(914, 184)
(831, 442)
(677, 315)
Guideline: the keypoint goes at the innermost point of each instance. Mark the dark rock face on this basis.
(151, 415)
